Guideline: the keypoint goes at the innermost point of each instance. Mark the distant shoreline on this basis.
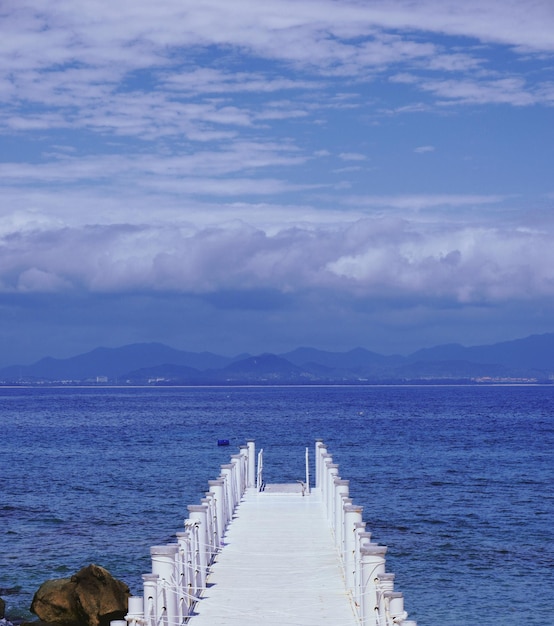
(247, 385)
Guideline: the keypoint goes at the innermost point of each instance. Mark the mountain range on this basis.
(522, 360)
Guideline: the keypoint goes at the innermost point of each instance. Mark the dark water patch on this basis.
(10, 591)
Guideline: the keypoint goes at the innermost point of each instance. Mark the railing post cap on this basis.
(150, 577)
(341, 482)
(167, 549)
(197, 508)
(372, 549)
(393, 594)
(227, 466)
(352, 508)
(218, 482)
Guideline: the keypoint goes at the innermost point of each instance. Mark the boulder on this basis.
(91, 597)
(2, 608)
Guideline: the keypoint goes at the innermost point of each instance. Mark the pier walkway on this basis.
(279, 566)
(255, 554)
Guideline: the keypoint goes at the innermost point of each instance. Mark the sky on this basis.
(254, 176)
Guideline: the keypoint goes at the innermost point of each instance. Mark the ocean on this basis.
(455, 480)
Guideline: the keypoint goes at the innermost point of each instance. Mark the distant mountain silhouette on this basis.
(358, 357)
(114, 362)
(535, 352)
(155, 363)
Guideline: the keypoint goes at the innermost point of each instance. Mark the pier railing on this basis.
(371, 587)
(180, 569)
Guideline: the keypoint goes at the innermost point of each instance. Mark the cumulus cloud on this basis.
(376, 258)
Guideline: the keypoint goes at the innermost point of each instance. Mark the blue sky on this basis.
(256, 176)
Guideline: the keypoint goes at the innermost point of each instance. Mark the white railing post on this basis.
(362, 538)
(211, 544)
(320, 450)
(216, 487)
(386, 586)
(199, 513)
(307, 471)
(243, 469)
(226, 472)
(163, 564)
(260, 472)
(194, 574)
(393, 602)
(237, 475)
(150, 588)
(341, 491)
(135, 611)
(325, 458)
(332, 475)
(352, 516)
(251, 446)
(372, 566)
(185, 573)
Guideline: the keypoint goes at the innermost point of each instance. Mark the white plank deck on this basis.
(279, 567)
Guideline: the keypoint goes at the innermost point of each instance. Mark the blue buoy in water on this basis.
(222, 442)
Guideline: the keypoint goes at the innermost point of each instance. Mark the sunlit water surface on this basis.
(457, 481)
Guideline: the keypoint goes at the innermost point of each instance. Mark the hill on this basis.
(520, 360)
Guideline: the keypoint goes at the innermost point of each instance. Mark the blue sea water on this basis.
(457, 481)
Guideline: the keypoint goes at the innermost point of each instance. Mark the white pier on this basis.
(278, 566)
(254, 554)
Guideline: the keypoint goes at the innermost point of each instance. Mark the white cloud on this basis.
(352, 156)
(428, 201)
(424, 149)
(216, 81)
(239, 156)
(34, 280)
(501, 91)
(371, 258)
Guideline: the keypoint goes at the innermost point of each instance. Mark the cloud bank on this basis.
(376, 258)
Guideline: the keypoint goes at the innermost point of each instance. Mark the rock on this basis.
(2, 608)
(91, 597)
(55, 602)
